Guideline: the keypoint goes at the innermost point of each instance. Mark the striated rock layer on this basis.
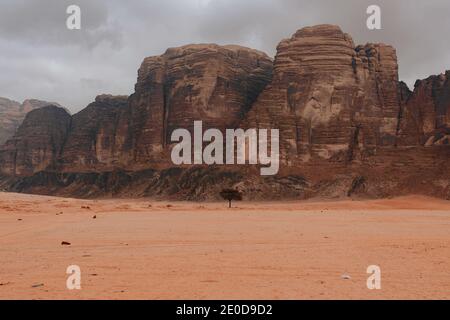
(328, 97)
(12, 114)
(215, 84)
(95, 139)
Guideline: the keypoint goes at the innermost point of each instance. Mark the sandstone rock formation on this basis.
(38, 142)
(215, 84)
(348, 127)
(328, 97)
(12, 114)
(94, 139)
(426, 116)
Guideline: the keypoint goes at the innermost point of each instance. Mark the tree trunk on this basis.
(229, 203)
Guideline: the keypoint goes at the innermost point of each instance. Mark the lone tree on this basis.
(230, 195)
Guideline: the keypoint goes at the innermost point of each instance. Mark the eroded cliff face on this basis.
(38, 142)
(426, 116)
(328, 97)
(215, 84)
(12, 114)
(95, 139)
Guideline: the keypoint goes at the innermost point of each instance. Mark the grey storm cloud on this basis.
(41, 22)
(41, 58)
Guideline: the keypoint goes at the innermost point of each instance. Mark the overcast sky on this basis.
(40, 58)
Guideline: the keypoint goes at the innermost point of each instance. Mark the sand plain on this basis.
(145, 249)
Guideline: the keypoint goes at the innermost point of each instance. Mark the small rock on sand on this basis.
(65, 243)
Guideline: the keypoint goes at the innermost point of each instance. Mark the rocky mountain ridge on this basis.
(348, 126)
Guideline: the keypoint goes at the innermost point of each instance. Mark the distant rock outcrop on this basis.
(38, 143)
(12, 114)
(426, 115)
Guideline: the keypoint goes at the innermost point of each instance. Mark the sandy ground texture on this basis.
(142, 249)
